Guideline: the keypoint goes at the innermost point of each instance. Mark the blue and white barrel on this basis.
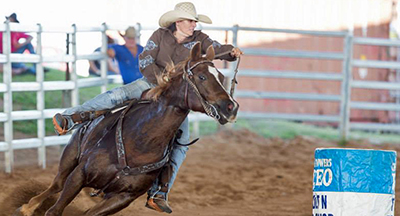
(354, 182)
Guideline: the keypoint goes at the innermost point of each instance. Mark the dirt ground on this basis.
(230, 173)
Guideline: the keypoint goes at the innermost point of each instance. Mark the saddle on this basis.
(86, 116)
(125, 169)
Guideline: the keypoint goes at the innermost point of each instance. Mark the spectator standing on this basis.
(127, 56)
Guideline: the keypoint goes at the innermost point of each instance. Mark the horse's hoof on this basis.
(25, 210)
(18, 212)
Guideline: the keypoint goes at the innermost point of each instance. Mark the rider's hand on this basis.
(236, 52)
(165, 77)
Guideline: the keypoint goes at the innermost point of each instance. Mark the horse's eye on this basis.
(202, 77)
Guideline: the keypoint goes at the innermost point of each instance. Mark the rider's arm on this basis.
(147, 59)
(206, 41)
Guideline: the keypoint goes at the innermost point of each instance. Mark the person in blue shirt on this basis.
(127, 56)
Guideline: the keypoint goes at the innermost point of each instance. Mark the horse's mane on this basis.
(165, 79)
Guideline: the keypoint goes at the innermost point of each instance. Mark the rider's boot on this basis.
(62, 123)
(159, 201)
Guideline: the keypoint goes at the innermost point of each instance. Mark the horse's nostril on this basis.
(230, 106)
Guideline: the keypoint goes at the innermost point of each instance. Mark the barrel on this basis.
(354, 182)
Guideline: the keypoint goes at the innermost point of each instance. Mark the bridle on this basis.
(188, 76)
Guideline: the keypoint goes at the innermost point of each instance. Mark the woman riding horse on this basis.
(171, 42)
(122, 153)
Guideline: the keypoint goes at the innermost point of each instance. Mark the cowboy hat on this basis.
(182, 11)
(13, 16)
(130, 32)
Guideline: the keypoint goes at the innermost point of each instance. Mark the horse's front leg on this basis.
(69, 160)
(73, 185)
(112, 204)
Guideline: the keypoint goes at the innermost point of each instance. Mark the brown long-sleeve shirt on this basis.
(162, 48)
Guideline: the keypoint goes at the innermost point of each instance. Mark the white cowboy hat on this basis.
(130, 32)
(182, 11)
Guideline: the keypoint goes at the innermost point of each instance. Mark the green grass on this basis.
(265, 128)
(53, 99)
(275, 128)
(289, 130)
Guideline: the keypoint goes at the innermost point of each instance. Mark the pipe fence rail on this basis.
(344, 77)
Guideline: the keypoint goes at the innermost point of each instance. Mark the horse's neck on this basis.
(176, 95)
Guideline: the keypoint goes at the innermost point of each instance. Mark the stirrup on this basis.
(155, 203)
(62, 129)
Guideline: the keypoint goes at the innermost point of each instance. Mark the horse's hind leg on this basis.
(113, 204)
(73, 185)
(68, 162)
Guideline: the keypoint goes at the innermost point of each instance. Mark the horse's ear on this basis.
(210, 54)
(195, 52)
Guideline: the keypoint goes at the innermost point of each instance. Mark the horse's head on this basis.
(201, 88)
(207, 93)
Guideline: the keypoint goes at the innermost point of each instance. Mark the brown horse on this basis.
(122, 153)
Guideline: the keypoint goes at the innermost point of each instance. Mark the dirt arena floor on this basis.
(235, 173)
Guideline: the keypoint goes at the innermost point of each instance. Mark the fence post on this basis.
(346, 86)
(40, 102)
(104, 61)
(7, 79)
(232, 66)
(74, 77)
(139, 34)
(235, 35)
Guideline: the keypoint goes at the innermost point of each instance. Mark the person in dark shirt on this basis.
(112, 64)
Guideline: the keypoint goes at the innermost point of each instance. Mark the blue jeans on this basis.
(95, 74)
(22, 49)
(112, 98)
(178, 155)
(116, 96)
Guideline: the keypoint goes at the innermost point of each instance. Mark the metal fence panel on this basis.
(291, 74)
(287, 96)
(294, 54)
(40, 86)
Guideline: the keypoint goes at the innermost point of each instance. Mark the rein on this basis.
(234, 80)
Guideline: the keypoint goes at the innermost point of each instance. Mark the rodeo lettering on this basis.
(322, 214)
(320, 202)
(323, 162)
(322, 177)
